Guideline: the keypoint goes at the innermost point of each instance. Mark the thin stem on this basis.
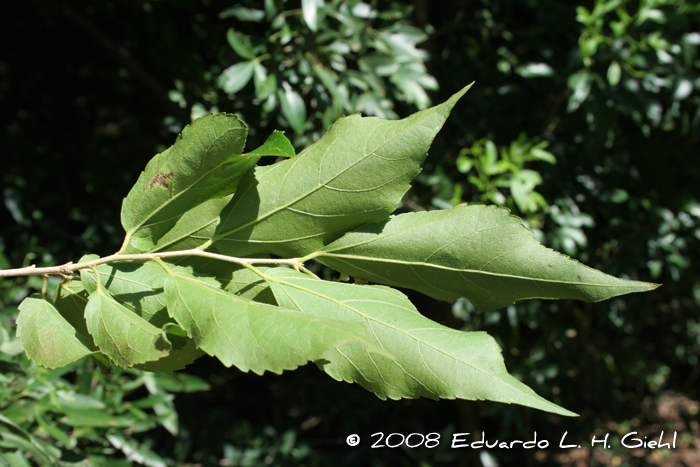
(97, 277)
(304, 270)
(68, 268)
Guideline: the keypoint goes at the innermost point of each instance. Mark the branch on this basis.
(67, 269)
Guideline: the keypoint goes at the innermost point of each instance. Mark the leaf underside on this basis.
(250, 335)
(356, 173)
(330, 202)
(479, 252)
(431, 360)
(126, 338)
(205, 163)
(46, 336)
(136, 285)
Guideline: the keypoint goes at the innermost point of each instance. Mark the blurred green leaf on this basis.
(243, 14)
(614, 72)
(235, 77)
(241, 44)
(309, 10)
(293, 108)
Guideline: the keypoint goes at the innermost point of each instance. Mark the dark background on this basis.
(90, 91)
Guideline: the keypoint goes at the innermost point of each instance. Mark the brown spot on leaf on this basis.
(160, 179)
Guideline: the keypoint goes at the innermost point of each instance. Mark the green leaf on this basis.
(309, 10)
(183, 352)
(233, 278)
(250, 335)
(181, 382)
(245, 283)
(542, 155)
(265, 85)
(135, 285)
(431, 360)
(293, 108)
(356, 173)
(235, 77)
(47, 338)
(243, 14)
(70, 301)
(94, 418)
(73, 400)
(478, 252)
(204, 163)
(14, 435)
(240, 43)
(614, 72)
(276, 145)
(125, 337)
(192, 230)
(136, 452)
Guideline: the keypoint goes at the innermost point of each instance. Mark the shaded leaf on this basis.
(243, 14)
(479, 252)
(183, 352)
(47, 338)
(231, 277)
(194, 228)
(181, 382)
(136, 285)
(70, 301)
(356, 173)
(431, 360)
(247, 334)
(126, 338)
(240, 43)
(204, 163)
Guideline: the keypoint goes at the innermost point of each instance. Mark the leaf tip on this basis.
(458, 95)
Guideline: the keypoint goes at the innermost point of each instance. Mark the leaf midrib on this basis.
(184, 190)
(369, 318)
(475, 271)
(317, 187)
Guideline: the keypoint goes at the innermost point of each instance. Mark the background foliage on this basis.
(584, 120)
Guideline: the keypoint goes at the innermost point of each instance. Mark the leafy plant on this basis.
(79, 412)
(214, 261)
(305, 67)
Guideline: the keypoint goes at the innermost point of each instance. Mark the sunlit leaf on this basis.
(276, 145)
(431, 360)
(204, 163)
(235, 77)
(252, 336)
(357, 173)
(293, 108)
(479, 252)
